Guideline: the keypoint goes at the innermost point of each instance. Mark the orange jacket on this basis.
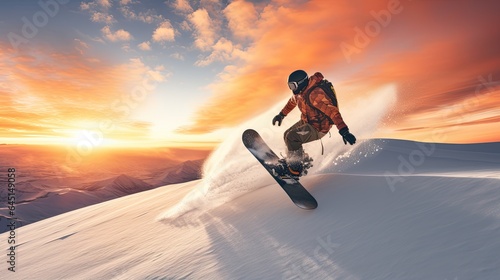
(318, 99)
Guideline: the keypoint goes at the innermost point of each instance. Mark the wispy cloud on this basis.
(98, 11)
(81, 46)
(177, 56)
(149, 16)
(102, 17)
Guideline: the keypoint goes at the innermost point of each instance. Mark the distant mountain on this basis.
(35, 204)
(128, 185)
(118, 186)
(188, 171)
(25, 192)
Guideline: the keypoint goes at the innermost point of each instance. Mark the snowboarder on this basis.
(319, 110)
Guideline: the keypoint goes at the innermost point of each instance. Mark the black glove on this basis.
(347, 136)
(279, 118)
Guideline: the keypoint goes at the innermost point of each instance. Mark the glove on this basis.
(347, 136)
(279, 118)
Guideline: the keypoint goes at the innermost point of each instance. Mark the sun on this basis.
(90, 139)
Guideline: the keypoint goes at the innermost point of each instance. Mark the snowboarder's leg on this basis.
(300, 133)
(295, 136)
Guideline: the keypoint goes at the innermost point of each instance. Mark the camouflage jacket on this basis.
(318, 99)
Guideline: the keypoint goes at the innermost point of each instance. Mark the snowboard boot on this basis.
(298, 162)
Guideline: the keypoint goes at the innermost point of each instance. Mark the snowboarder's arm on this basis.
(334, 113)
(292, 102)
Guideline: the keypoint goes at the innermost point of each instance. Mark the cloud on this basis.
(126, 47)
(102, 17)
(177, 56)
(157, 75)
(204, 31)
(185, 26)
(145, 46)
(164, 32)
(102, 5)
(119, 35)
(106, 4)
(242, 17)
(84, 6)
(81, 46)
(125, 2)
(182, 6)
(98, 11)
(224, 51)
(205, 27)
(149, 16)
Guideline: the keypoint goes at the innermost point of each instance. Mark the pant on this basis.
(300, 133)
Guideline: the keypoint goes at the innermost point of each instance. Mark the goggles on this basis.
(295, 85)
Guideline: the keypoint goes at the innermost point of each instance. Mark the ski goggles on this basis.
(295, 85)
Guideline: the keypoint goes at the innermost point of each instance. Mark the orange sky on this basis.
(54, 94)
(442, 55)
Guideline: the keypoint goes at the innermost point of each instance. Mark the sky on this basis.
(184, 73)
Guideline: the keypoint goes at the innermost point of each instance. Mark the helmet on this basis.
(297, 81)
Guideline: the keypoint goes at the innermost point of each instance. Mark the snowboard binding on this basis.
(299, 169)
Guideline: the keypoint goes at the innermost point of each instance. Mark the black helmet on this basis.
(297, 81)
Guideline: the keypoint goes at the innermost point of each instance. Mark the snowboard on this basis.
(297, 193)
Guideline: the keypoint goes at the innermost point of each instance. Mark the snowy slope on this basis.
(35, 204)
(435, 217)
(433, 226)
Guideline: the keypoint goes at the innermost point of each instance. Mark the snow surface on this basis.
(378, 218)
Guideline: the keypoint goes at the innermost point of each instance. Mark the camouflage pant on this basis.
(300, 133)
